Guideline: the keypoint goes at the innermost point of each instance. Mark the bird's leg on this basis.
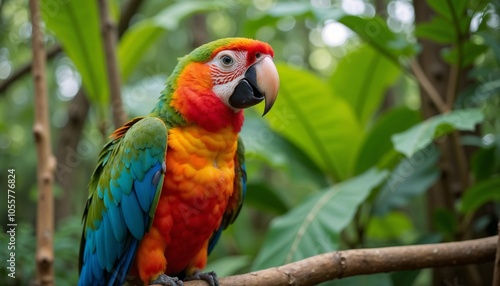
(166, 280)
(209, 277)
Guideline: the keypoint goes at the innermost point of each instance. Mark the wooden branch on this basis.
(496, 271)
(46, 161)
(108, 29)
(341, 264)
(426, 84)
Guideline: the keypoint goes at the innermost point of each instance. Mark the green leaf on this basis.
(314, 226)
(483, 163)
(438, 30)
(445, 222)
(391, 226)
(379, 136)
(411, 177)
(376, 33)
(141, 36)
(364, 87)
(77, 27)
(228, 265)
(442, 7)
(262, 196)
(470, 52)
(479, 194)
(422, 134)
(323, 125)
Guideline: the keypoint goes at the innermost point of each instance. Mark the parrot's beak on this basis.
(261, 82)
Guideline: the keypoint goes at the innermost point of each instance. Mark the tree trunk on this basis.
(453, 164)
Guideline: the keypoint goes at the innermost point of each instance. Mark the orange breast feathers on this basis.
(197, 186)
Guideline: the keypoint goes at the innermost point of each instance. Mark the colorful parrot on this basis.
(168, 183)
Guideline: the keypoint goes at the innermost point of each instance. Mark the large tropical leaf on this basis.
(323, 125)
(77, 27)
(376, 33)
(379, 136)
(410, 178)
(422, 134)
(362, 78)
(314, 226)
(141, 36)
(480, 193)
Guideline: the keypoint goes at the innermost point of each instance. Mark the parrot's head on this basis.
(216, 81)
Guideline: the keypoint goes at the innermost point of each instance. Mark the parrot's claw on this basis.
(166, 280)
(209, 277)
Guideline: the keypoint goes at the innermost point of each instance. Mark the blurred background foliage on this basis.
(348, 157)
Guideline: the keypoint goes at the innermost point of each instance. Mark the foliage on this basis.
(339, 162)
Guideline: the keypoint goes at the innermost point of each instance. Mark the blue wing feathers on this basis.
(119, 227)
(109, 244)
(131, 210)
(145, 200)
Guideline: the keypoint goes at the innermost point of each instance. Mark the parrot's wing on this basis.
(236, 200)
(124, 192)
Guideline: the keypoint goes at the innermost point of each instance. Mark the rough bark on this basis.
(453, 165)
(496, 271)
(45, 159)
(341, 264)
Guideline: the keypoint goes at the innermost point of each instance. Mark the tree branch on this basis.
(45, 159)
(341, 264)
(109, 35)
(496, 271)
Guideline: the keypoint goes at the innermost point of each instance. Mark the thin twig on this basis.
(426, 84)
(109, 34)
(45, 159)
(341, 264)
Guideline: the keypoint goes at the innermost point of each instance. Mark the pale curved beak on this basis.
(261, 82)
(268, 81)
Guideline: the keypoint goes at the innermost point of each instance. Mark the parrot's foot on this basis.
(209, 277)
(166, 280)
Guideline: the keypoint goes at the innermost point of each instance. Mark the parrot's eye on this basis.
(257, 55)
(226, 60)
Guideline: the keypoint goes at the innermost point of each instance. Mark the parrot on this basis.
(167, 184)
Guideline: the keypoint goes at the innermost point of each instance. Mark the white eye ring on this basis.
(226, 60)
